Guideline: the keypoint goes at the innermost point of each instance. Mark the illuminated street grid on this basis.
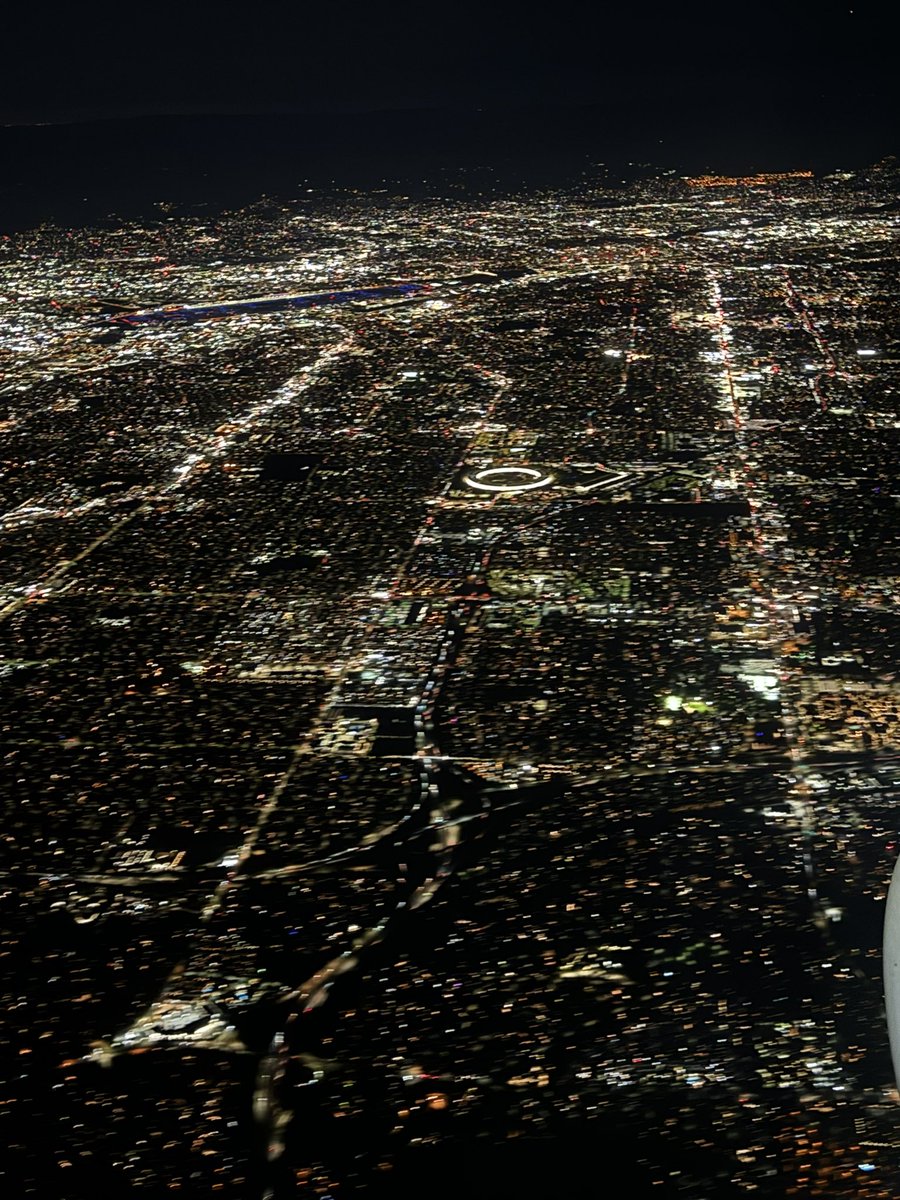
(454, 718)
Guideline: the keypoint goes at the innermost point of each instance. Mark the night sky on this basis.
(800, 61)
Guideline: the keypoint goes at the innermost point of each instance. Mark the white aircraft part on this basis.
(892, 967)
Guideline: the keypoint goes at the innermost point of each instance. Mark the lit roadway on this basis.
(800, 309)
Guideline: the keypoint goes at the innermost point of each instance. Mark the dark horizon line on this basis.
(490, 108)
(293, 111)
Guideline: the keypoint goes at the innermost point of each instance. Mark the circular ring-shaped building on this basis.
(508, 480)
